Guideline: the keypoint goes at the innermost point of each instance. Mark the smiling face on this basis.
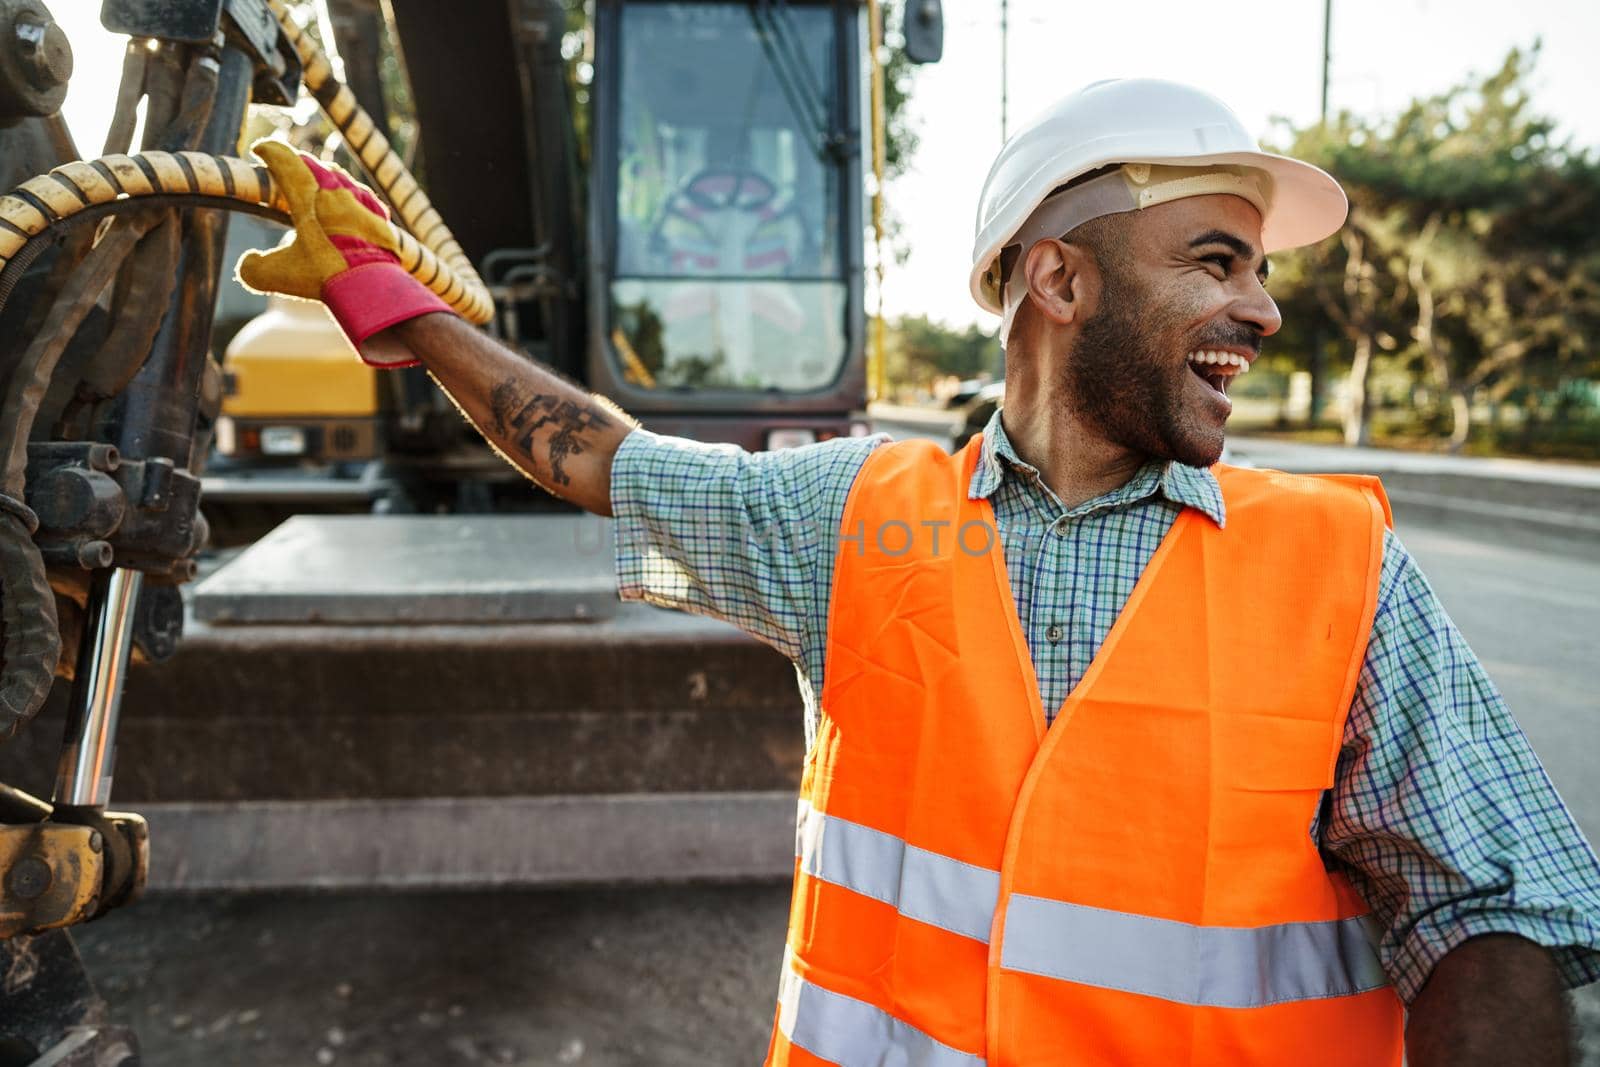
(1181, 312)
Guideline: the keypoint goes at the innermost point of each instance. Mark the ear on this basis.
(1063, 279)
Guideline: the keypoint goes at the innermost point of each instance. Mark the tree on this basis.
(899, 75)
(920, 350)
(1469, 254)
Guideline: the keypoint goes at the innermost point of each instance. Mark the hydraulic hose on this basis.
(49, 200)
(427, 249)
(384, 167)
(27, 606)
(42, 208)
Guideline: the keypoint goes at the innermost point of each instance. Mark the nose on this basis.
(1257, 309)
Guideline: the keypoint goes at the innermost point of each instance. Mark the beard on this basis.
(1124, 378)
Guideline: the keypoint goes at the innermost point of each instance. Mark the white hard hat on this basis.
(1141, 120)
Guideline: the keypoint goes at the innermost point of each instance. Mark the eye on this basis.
(1223, 261)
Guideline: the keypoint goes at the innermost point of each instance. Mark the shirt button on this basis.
(1054, 635)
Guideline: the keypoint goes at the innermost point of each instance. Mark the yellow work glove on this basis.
(342, 252)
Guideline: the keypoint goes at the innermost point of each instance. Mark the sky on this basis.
(1261, 56)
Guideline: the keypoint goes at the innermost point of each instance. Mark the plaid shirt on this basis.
(1440, 813)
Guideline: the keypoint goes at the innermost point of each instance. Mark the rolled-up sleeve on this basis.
(746, 537)
(1441, 812)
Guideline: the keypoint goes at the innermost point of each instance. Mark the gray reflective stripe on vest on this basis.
(921, 885)
(1205, 966)
(853, 1033)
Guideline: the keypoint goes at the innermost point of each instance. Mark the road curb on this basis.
(1576, 535)
(1555, 505)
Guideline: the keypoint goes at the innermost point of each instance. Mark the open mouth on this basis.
(1217, 368)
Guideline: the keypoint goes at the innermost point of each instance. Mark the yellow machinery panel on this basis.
(292, 362)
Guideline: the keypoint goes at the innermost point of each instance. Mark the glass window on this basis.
(728, 222)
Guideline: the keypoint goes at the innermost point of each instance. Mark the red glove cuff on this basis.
(373, 297)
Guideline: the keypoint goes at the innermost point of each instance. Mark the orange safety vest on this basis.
(1138, 884)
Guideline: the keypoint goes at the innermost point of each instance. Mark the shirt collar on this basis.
(1192, 487)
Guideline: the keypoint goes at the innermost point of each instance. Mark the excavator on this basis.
(667, 200)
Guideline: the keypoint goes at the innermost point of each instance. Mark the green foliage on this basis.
(899, 75)
(920, 350)
(308, 129)
(400, 109)
(575, 49)
(900, 137)
(1471, 258)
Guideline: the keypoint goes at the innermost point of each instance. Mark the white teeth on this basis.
(1226, 359)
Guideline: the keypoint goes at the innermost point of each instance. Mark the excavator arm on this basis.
(108, 276)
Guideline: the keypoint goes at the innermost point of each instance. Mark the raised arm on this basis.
(343, 254)
(556, 432)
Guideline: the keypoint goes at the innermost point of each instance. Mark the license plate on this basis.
(283, 441)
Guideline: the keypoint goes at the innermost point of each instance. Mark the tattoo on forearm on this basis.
(502, 401)
(518, 419)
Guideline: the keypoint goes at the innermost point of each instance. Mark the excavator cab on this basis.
(730, 145)
(727, 290)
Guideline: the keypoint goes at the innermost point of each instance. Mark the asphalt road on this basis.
(1533, 618)
(684, 975)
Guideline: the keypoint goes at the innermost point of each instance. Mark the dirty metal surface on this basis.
(47, 1002)
(50, 876)
(412, 570)
(648, 701)
(475, 843)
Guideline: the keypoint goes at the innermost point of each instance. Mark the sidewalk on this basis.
(1297, 456)
(1556, 504)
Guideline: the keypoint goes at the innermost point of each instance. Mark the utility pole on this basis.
(1319, 358)
(1327, 53)
(1004, 79)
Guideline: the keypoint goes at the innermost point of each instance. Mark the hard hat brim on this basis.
(1306, 206)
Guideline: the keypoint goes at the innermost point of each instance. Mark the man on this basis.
(1121, 756)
